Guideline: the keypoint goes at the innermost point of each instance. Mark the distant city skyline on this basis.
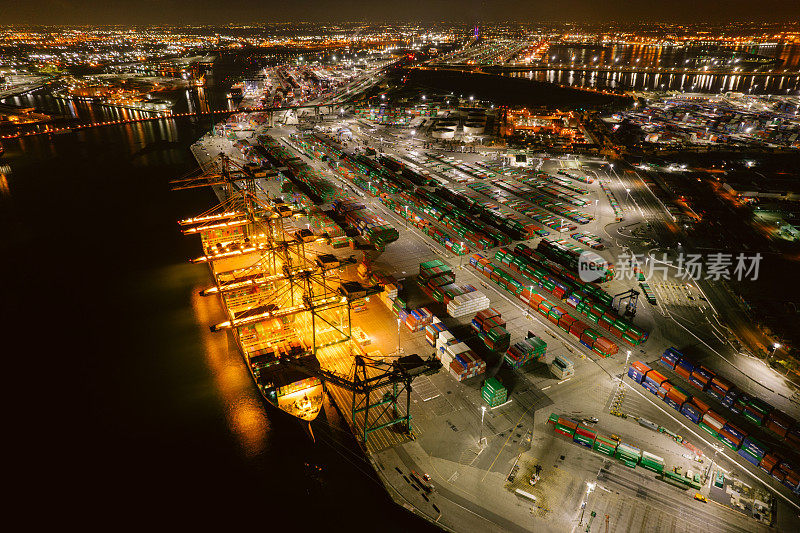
(131, 12)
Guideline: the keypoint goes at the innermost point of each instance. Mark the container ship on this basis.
(264, 308)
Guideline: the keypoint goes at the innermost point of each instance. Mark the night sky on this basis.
(259, 11)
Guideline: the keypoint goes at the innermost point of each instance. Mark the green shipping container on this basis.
(708, 429)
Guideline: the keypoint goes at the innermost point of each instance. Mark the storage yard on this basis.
(547, 412)
(724, 121)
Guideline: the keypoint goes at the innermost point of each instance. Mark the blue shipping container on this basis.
(649, 385)
(733, 431)
(672, 403)
(634, 374)
(667, 364)
(719, 397)
(697, 382)
(705, 373)
(694, 417)
(686, 363)
(749, 456)
(728, 441)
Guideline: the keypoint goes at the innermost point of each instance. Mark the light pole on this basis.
(774, 349)
(398, 337)
(483, 413)
(461, 255)
(589, 489)
(628, 356)
(596, 222)
(717, 449)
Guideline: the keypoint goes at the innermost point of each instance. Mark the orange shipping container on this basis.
(701, 405)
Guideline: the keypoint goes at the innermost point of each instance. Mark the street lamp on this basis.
(775, 347)
(628, 356)
(483, 413)
(398, 337)
(589, 488)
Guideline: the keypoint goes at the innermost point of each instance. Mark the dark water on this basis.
(134, 409)
(503, 90)
(783, 56)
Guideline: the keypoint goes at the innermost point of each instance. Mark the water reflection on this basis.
(244, 410)
(611, 67)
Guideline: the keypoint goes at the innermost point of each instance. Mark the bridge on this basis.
(320, 108)
(501, 69)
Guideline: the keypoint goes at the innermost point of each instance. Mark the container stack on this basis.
(628, 455)
(752, 450)
(490, 327)
(712, 423)
(731, 436)
(692, 412)
(769, 462)
(718, 388)
(670, 358)
(653, 380)
(494, 393)
(676, 397)
(756, 411)
(521, 352)
(701, 377)
(637, 371)
(433, 330)
(652, 462)
(466, 304)
(584, 436)
(779, 423)
(605, 446)
(462, 362)
(443, 340)
(566, 427)
(418, 319)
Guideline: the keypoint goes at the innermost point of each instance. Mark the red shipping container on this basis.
(577, 328)
(566, 321)
(682, 372)
(641, 367)
(563, 433)
(605, 346)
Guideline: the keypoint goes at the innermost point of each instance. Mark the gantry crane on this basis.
(285, 280)
(630, 297)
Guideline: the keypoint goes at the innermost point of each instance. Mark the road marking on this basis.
(563, 381)
(545, 388)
